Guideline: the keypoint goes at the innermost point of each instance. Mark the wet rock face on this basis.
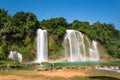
(15, 56)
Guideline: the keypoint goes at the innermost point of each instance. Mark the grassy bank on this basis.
(56, 75)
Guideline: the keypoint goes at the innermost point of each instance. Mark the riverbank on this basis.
(69, 74)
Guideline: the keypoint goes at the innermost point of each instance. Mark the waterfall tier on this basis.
(79, 48)
(42, 46)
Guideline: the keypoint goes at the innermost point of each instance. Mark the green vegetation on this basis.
(94, 78)
(18, 32)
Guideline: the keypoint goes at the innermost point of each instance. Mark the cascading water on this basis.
(15, 56)
(94, 52)
(77, 48)
(42, 46)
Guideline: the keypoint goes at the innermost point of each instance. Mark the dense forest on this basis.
(18, 32)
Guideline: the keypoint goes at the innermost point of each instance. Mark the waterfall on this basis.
(94, 52)
(76, 48)
(42, 46)
(15, 56)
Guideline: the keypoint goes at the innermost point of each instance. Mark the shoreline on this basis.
(65, 74)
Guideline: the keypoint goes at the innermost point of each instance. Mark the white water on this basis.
(76, 49)
(94, 52)
(15, 56)
(110, 69)
(42, 46)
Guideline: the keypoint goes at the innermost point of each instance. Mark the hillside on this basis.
(18, 32)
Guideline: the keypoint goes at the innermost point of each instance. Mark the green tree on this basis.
(56, 29)
(5, 24)
(19, 33)
(24, 27)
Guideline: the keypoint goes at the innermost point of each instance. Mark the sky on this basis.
(104, 11)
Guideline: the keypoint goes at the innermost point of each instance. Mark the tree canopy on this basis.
(18, 32)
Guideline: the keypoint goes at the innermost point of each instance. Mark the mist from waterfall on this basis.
(42, 46)
(79, 48)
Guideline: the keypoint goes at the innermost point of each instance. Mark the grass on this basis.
(27, 74)
(7, 72)
(93, 78)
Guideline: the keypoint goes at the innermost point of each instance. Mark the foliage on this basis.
(105, 34)
(18, 32)
(56, 28)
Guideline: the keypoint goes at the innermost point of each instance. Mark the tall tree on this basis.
(5, 24)
(25, 25)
